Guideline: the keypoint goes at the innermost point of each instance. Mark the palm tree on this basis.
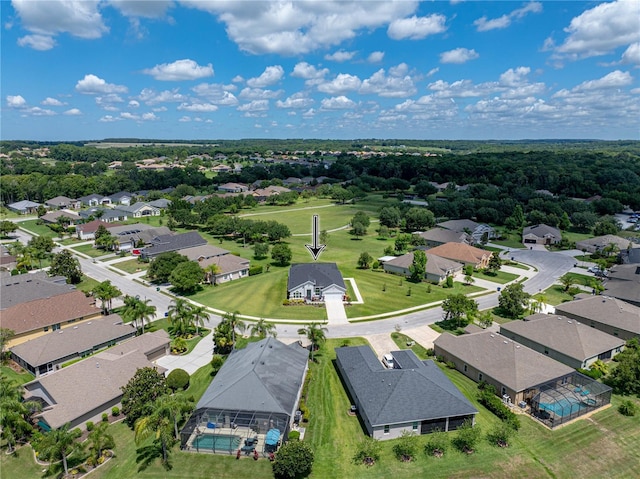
(15, 413)
(611, 249)
(181, 316)
(211, 271)
(106, 292)
(158, 425)
(175, 407)
(567, 281)
(234, 322)
(200, 315)
(100, 440)
(315, 334)
(262, 329)
(60, 444)
(536, 304)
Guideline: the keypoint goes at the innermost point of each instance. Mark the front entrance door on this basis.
(309, 295)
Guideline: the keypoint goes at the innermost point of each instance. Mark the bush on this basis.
(294, 435)
(488, 399)
(105, 417)
(216, 363)
(405, 448)
(430, 352)
(256, 269)
(178, 379)
(90, 426)
(368, 451)
(294, 459)
(592, 373)
(627, 408)
(436, 444)
(500, 434)
(466, 437)
(115, 411)
(450, 364)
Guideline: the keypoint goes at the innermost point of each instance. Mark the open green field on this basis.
(38, 229)
(555, 295)
(89, 250)
(500, 277)
(131, 266)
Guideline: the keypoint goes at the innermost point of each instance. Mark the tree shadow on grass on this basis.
(147, 454)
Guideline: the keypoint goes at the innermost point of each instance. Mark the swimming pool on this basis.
(563, 407)
(217, 442)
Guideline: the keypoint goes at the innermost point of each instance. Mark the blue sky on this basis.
(199, 69)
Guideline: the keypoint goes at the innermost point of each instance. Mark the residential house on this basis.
(437, 268)
(463, 253)
(292, 181)
(52, 216)
(512, 369)
(604, 313)
(623, 282)
(414, 397)
(107, 215)
(566, 340)
(7, 260)
(160, 203)
(49, 352)
(599, 243)
(95, 200)
(172, 242)
(229, 266)
(315, 282)
(24, 207)
(221, 169)
(140, 210)
(87, 231)
(63, 203)
(261, 194)
(83, 391)
(631, 256)
(121, 198)
(256, 393)
(477, 231)
(135, 236)
(439, 236)
(541, 234)
(233, 188)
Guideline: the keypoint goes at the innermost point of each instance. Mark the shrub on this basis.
(115, 411)
(294, 435)
(488, 399)
(627, 408)
(430, 352)
(368, 451)
(178, 379)
(255, 269)
(450, 364)
(466, 437)
(294, 459)
(90, 425)
(286, 302)
(436, 444)
(405, 448)
(216, 363)
(105, 417)
(500, 434)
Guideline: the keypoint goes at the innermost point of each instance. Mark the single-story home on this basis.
(121, 198)
(230, 266)
(604, 313)
(255, 394)
(52, 216)
(599, 243)
(161, 203)
(85, 390)
(107, 215)
(233, 188)
(261, 194)
(439, 236)
(133, 236)
(7, 260)
(95, 200)
(139, 210)
(463, 253)
(437, 268)
(87, 231)
(514, 370)
(50, 351)
(566, 340)
(623, 282)
(541, 234)
(315, 282)
(415, 396)
(24, 207)
(62, 202)
(474, 229)
(172, 242)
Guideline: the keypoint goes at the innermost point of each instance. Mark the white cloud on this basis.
(615, 79)
(107, 102)
(416, 28)
(292, 28)
(483, 24)
(129, 116)
(337, 103)
(37, 42)
(396, 85)
(458, 55)
(259, 93)
(216, 93)
(134, 104)
(340, 56)
(198, 107)
(342, 83)
(149, 116)
(51, 102)
(271, 75)
(37, 111)
(375, 57)
(632, 54)
(109, 119)
(297, 100)
(514, 77)
(311, 74)
(73, 112)
(151, 97)
(600, 30)
(92, 85)
(146, 8)
(47, 19)
(433, 71)
(179, 70)
(16, 101)
(185, 119)
(256, 105)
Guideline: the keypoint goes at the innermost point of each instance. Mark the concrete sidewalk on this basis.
(200, 356)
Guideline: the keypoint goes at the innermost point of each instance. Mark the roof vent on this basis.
(60, 332)
(75, 327)
(517, 346)
(492, 336)
(505, 341)
(569, 322)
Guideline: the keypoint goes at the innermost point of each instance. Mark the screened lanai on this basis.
(568, 398)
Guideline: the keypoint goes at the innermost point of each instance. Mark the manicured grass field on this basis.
(19, 377)
(131, 266)
(90, 251)
(40, 230)
(402, 340)
(500, 277)
(556, 295)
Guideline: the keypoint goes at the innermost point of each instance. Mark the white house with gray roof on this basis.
(415, 396)
(566, 340)
(436, 270)
(541, 234)
(315, 282)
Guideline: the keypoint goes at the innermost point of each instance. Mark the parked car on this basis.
(387, 361)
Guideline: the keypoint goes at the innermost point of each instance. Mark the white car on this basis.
(387, 360)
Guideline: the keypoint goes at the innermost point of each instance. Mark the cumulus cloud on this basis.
(146, 9)
(297, 100)
(375, 57)
(397, 84)
(73, 112)
(340, 56)
(51, 102)
(484, 24)
(416, 28)
(16, 101)
(514, 77)
(151, 97)
(458, 55)
(337, 103)
(259, 93)
(311, 74)
(45, 20)
(271, 75)
(93, 85)
(292, 28)
(134, 104)
(632, 54)
(216, 93)
(198, 107)
(255, 105)
(109, 119)
(600, 30)
(615, 79)
(342, 83)
(179, 70)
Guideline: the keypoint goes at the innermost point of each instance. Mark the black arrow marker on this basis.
(315, 249)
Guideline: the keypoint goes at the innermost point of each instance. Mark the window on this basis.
(386, 429)
(480, 376)
(465, 368)
(616, 332)
(503, 390)
(46, 328)
(317, 291)
(55, 327)
(415, 426)
(546, 350)
(297, 294)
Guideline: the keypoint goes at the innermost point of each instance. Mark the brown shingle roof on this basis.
(460, 252)
(605, 310)
(37, 314)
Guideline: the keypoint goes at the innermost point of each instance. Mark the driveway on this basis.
(200, 356)
(335, 310)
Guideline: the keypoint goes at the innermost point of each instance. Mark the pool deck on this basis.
(242, 432)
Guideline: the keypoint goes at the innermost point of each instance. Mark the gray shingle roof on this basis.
(266, 376)
(514, 365)
(459, 225)
(541, 231)
(441, 235)
(567, 336)
(173, 242)
(605, 310)
(320, 274)
(418, 391)
(30, 287)
(436, 265)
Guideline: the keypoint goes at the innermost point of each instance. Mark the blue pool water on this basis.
(563, 407)
(220, 442)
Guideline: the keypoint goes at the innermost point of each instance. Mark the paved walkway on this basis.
(200, 356)
(335, 310)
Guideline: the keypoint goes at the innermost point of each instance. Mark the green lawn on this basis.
(131, 266)
(90, 251)
(556, 295)
(19, 377)
(38, 229)
(500, 277)
(402, 341)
